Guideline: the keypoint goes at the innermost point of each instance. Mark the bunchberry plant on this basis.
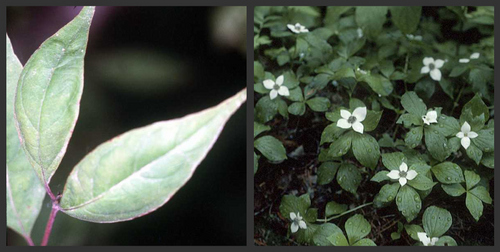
(380, 116)
(127, 177)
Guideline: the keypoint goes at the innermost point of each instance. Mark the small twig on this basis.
(50, 222)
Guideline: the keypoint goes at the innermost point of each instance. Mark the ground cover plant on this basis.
(373, 126)
(129, 176)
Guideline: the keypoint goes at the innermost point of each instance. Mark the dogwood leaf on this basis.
(349, 177)
(408, 202)
(271, 148)
(357, 228)
(406, 18)
(25, 193)
(366, 150)
(137, 172)
(48, 95)
(448, 173)
(436, 221)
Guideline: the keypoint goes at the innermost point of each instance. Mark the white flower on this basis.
(472, 56)
(475, 55)
(411, 37)
(430, 117)
(466, 134)
(276, 87)
(360, 32)
(422, 236)
(352, 120)
(297, 222)
(361, 71)
(464, 60)
(297, 28)
(403, 174)
(432, 66)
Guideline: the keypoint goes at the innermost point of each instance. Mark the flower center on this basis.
(402, 174)
(297, 27)
(432, 66)
(276, 87)
(351, 120)
(466, 134)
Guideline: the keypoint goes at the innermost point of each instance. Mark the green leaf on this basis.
(265, 109)
(297, 108)
(474, 205)
(481, 193)
(454, 190)
(282, 108)
(448, 173)
(386, 68)
(447, 86)
(458, 70)
(259, 128)
(413, 104)
(296, 95)
(357, 228)
(319, 104)
(425, 88)
(485, 140)
(291, 203)
(454, 144)
(330, 133)
(341, 146)
(408, 202)
(371, 121)
(471, 179)
(338, 239)
(349, 177)
(488, 160)
(437, 144)
(387, 194)
(446, 241)
(380, 176)
(412, 230)
(311, 215)
(421, 182)
(140, 170)
(271, 148)
(371, 19)
(333, 208)
(258, 71)
(410, 119)
(326, 172)
(378, 83)
(48, 95)
(474, 153)
(323, 232)
(436, 221)
(25, 193)
(364, 242)
(255, 162)
(414, 136)
(406, 18)
(447, 126)
(393, 160)
(477, 107)
(366, 150)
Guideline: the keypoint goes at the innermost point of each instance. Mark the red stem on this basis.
(29, 240)
(50, 222)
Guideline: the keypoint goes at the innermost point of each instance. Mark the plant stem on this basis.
(344, 213)
(50, 223)
(455, 103)
(29, 240)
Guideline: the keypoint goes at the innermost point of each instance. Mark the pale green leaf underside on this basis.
(25, 193)
(139, 171)
(48, 95)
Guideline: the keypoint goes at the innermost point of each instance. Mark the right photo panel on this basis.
(374, 126)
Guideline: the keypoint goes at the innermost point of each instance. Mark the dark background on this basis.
(145, 65)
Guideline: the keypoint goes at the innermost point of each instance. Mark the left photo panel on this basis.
(119, 124)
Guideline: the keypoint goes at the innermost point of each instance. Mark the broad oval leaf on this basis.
(408, 202)
(271, 148)
(357, 228)
(137, 172)
(25, 193)
(436, 221)
(48, 95)
(323, 232)
(406, 18)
